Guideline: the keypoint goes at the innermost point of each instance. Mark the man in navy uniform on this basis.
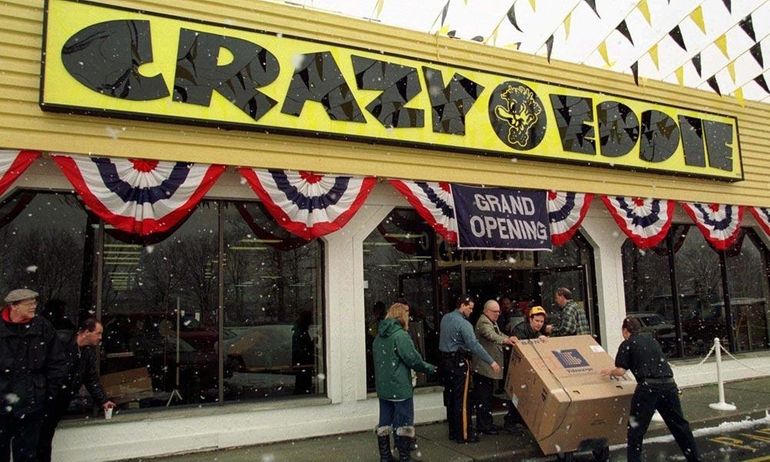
(457, 344)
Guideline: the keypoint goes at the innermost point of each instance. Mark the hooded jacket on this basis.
(394, 358)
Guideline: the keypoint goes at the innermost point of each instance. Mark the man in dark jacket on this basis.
(32, 368)
(80, 353)
(656, 390)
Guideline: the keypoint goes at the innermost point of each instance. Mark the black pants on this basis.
(665, 399)
(483, 388)
(21, 435)
(47, 430)
(456, 375)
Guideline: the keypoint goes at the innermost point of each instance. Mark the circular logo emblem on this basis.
(517, 115)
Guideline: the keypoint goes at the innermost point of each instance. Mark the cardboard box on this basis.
(557, 387)
(128, 385)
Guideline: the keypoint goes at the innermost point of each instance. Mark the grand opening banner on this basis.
(109, 61)
(501, 218)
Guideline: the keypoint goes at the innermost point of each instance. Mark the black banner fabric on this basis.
(501, 219)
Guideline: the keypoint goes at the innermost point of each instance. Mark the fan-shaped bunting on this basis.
(306, 204)
(136, 195)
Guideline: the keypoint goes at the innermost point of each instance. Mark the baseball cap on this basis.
(537, 310)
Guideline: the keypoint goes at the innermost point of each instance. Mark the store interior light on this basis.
(261, 241)
(246, 247)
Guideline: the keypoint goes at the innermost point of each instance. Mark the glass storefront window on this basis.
(166, 340)
(398, 263)
(159, 311)
(273, 318)
(699, 271)
(699, 290)
(43, 237)
(748, 287)
(647, 282)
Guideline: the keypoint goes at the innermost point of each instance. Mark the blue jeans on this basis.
(396, 414)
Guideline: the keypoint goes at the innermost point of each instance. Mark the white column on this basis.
(607, 240)
(344, 299)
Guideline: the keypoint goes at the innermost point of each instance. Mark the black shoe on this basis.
(490, 431)
(470, 439)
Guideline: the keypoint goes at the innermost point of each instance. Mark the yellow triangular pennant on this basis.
(739, 97)
(567, 21)
(533, 4)
(378, 8)
(680, 75)
(653, 52)
(645, 10)
(444, 30)
(731, 70)
(603, 53)
(697, 18)
(721, 43)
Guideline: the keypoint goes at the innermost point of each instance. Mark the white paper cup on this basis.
(108, 413)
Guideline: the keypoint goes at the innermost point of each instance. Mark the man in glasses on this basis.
(457, 344)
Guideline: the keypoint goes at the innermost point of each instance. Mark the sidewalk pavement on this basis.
(751, 397)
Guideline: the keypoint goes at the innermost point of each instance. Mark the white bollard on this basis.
(721, 405)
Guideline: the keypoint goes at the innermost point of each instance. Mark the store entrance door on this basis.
(528, 286)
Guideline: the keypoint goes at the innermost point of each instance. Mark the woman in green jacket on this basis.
(394, 359)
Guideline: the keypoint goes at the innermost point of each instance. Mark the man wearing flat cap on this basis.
(32, 369)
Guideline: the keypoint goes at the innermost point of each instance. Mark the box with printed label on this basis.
(557, 387)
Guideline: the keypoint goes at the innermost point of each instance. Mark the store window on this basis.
(166, 341)
(398, 263)
(747, 279)
(273, 318)
(687, 323)
(43, 236)
(647, 281)
(162, 321)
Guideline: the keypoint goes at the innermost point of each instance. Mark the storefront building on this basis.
(227, 325)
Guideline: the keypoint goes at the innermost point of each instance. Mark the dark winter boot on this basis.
(404, 443)
(383, 443)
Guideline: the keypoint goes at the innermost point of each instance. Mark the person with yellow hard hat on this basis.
(529, 329)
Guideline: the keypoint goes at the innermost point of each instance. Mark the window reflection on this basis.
(748, 292)
(273, 332)
(398, 262)
(159, 311)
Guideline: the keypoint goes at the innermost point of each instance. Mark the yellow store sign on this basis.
(102, 60)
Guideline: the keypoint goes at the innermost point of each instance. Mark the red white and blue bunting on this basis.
(762, 215)
(719, 223)
(12, 165)
(645, 221)
(139, 196)
(307, 204)
(566, 211)
(434, 203)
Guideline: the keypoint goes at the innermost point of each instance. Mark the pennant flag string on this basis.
(12, 164)
(720, 224)
(549, 41)
(645, 221)
(751, 51)
(138, 196)
(611, 31)
(511, 15)
(306, 204)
